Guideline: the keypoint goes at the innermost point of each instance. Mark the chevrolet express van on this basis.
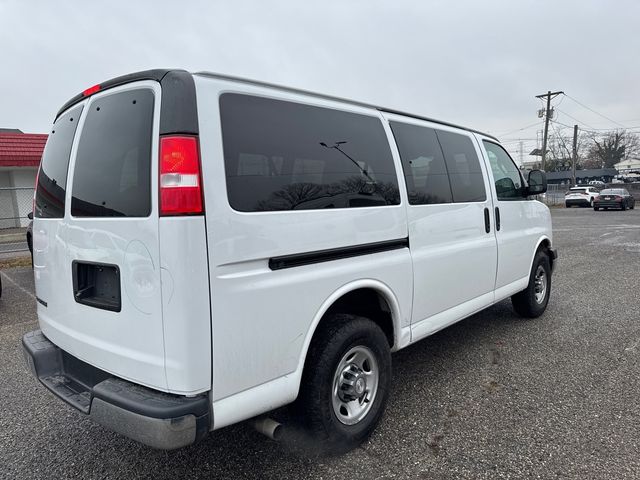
(208, 249)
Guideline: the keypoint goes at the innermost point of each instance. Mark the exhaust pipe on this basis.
(269, 427)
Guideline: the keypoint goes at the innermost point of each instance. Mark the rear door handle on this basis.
(487, 221)
(497, 218)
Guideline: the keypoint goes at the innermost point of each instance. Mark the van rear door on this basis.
(97, 260)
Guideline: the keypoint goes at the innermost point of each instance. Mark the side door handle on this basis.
(487, 221)
(497, 218)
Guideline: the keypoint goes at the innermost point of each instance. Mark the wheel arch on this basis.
(544, 243)
(342, 296)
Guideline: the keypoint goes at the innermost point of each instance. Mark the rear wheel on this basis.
(345, 383)
(596, 208)
(623, 206)
(566, 205)
(532, 302)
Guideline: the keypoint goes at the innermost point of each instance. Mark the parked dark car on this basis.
(614, 198)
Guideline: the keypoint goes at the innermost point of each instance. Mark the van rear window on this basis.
(289, 156)
(112, 173)
(52, 178)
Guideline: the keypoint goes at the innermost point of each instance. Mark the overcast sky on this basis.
(476, 63)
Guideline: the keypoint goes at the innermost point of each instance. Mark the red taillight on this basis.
(91, 90)
(180, 179)
(618, 198)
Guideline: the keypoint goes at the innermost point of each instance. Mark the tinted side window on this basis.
(52, 178)
(465, 174)
(112, 174)
(506, 175)
(288, 156)
(424, 168)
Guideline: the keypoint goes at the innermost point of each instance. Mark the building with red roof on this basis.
(20, 155)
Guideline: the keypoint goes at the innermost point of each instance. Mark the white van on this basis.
(208, 249)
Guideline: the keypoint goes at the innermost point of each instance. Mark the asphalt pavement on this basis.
(494, 396)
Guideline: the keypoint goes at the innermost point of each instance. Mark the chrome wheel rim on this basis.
(355, 385)
(540, 284)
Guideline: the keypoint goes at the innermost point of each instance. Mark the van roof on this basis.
(158, 75)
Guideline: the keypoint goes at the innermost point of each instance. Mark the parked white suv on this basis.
(580, 196)
(207, 249)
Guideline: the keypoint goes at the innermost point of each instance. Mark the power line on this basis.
(592, 110)
(519, 129)
(597, 131)
(574, 118)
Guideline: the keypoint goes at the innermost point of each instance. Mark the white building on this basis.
(628, 165)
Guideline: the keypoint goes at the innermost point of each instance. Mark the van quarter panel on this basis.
(185, 304)
(261, 316)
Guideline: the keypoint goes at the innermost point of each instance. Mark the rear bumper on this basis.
(157, 419)
(581, 202)
(608, 205)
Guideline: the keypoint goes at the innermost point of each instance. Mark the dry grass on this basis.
(24, 261)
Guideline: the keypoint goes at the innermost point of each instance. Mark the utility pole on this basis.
(575, 155)
(549, 95)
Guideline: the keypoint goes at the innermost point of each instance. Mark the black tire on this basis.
(566, 205)
(30, 245)
(315, 408)
(623, 207)
(596, 208)
(525, 303)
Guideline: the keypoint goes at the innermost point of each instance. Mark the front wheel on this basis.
(345, 384)
(532, 302)
(596, 208)
(623, 207)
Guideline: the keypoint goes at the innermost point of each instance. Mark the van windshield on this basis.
(112, 173)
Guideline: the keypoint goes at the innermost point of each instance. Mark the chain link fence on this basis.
(15, 204)
(554, 195)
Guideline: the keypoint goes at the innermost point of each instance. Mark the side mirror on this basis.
(537, 181)
(30, 215)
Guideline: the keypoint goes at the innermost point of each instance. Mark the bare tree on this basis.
(609, 148)
(560, 150)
